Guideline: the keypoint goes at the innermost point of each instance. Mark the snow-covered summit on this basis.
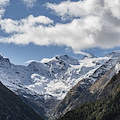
(67, 59)
(4, 62)
(89, 56)
(114, 54)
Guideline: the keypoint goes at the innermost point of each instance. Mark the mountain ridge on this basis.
(45, 84)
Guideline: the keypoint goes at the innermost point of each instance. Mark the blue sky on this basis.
(36, 29)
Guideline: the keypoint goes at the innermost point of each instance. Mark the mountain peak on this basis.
(89, 56)
(4, 62)
(65, 58)
(114, 54)
(1, 56)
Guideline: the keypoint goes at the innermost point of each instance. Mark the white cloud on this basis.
(23, 25)
(2, 12)
(76, 9)
(85, 8)
(82, 53)
(97, 25)
(29, 3)
(3, 4)
(113, 7)
(76, 34)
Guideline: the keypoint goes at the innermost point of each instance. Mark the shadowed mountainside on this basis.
(12, 107)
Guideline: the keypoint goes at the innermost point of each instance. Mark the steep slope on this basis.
(15, 77)
(81, 92)
(13, 108)
(106, 108)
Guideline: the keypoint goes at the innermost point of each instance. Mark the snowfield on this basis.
(53, 77)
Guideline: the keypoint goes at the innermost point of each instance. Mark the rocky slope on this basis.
(88, 89)
(107, 107)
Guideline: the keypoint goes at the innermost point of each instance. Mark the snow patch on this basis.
(117, 68)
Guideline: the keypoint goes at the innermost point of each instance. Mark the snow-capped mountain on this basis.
(59, 74)
(81, 92)
(89, 56)
(53, 78)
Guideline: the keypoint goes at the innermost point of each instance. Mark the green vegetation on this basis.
(12, 107)
(98, 110)
(103, 109)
